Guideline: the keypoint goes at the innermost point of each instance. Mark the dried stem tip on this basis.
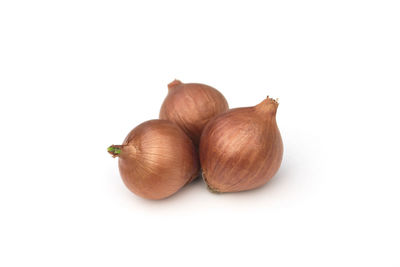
(268, 105)
(173, 84)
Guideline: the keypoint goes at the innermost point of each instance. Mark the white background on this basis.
(77, 76)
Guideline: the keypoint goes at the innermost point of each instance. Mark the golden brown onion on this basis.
(156, 159)
(191, 106)
(241, 149)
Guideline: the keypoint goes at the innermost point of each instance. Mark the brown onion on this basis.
(191, 106)
(241, 149)
(156, 159)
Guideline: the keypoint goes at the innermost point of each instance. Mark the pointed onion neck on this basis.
(174, 84)
(115, 150)
(268, 105)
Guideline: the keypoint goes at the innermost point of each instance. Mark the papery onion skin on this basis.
(156, 159)
(241, 149)
(191, 106)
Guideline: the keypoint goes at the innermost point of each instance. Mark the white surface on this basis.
(76, 76)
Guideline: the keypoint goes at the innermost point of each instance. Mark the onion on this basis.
(156, 159)
(191, 106)
(241, 149)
